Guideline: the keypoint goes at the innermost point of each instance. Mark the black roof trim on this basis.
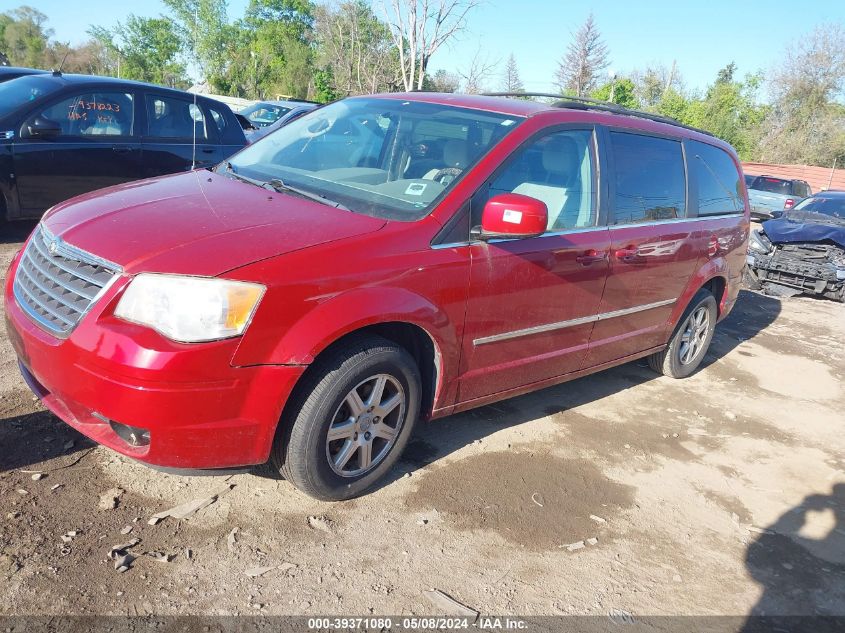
(585, 103)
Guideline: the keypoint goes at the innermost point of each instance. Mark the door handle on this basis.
(629, 255)
(207, 150)
(117, 149)
(591, 256)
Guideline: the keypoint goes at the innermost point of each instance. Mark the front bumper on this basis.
(200, 411)
(808, 276)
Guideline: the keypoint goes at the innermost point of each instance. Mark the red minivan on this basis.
(378, 261)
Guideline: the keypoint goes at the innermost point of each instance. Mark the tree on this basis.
(24, 36)
(205, 32)
(145, 49)
(357, 47)
(618, 91)
(806, 123)
(476, 75)
(275, 42)
(419, 28)
(442, 81)
(511, 80)
(654, 83)
(585, 59)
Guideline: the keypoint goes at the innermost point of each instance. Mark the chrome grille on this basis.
(56, 283)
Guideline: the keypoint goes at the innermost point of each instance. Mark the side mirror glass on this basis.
(513, 216)
(41, 127)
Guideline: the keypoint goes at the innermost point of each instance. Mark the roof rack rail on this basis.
(586, 103)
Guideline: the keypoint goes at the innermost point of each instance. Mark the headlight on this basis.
(759, 242)
(190, 309)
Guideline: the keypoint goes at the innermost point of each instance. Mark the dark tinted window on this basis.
(175, 118)
(801, 189)
(773, 185)
(719, 185)
(556, 169)
(93, 114)
(649, 178)
(16, 94)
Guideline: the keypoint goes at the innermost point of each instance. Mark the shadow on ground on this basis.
(16, 232)
(439, 438)
(799, 561)
(34, 438)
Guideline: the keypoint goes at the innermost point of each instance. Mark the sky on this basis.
(701, 37)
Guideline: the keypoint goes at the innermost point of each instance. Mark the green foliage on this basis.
(147, 49)
(205, 33)
(24, 36)
(619, 91)
(324, 91)
(441, 81)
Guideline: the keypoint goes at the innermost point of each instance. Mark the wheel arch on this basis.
(714, 277)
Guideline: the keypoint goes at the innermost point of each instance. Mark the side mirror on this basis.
(777, 214)
(41, 127)
(513, 216)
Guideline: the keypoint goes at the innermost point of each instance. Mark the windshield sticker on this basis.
(511, 216)
(415, 189)
(507, 122)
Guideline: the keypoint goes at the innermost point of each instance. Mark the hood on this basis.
(792, 229)
(197, 223)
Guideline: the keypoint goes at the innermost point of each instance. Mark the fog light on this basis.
(132, 435)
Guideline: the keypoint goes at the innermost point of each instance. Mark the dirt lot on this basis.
(720, 494)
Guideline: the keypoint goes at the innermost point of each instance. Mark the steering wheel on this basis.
(446, 175)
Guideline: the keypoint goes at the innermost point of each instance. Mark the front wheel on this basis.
(691, 339)
(352, 420)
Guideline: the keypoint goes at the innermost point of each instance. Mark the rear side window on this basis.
(719, 183)
(175, 118)
(649, 178)
(773, 185)
(801, 188)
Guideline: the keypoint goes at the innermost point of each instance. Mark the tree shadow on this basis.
(800, 562)
(12, 232)
(31, 439)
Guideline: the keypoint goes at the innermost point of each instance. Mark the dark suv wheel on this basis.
(352, 420)
(691, 339)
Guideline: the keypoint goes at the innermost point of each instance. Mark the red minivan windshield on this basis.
(383, 157)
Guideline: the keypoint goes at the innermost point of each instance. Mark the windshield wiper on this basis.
(277, 184)
(230, 169)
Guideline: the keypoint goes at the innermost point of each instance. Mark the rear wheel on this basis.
(691, 339)
(352, 420)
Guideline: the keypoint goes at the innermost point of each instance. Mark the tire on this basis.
(697, 323)
(338, 469)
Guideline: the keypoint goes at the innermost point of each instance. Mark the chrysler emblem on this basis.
(53, 247)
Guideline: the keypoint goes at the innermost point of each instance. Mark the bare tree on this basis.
(585, 59)
(419, 28)
(476, 75)
(511, 80)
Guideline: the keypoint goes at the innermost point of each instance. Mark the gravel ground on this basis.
(720, 494)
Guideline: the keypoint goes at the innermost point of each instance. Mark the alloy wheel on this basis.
(694, 337)
(366, 425)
